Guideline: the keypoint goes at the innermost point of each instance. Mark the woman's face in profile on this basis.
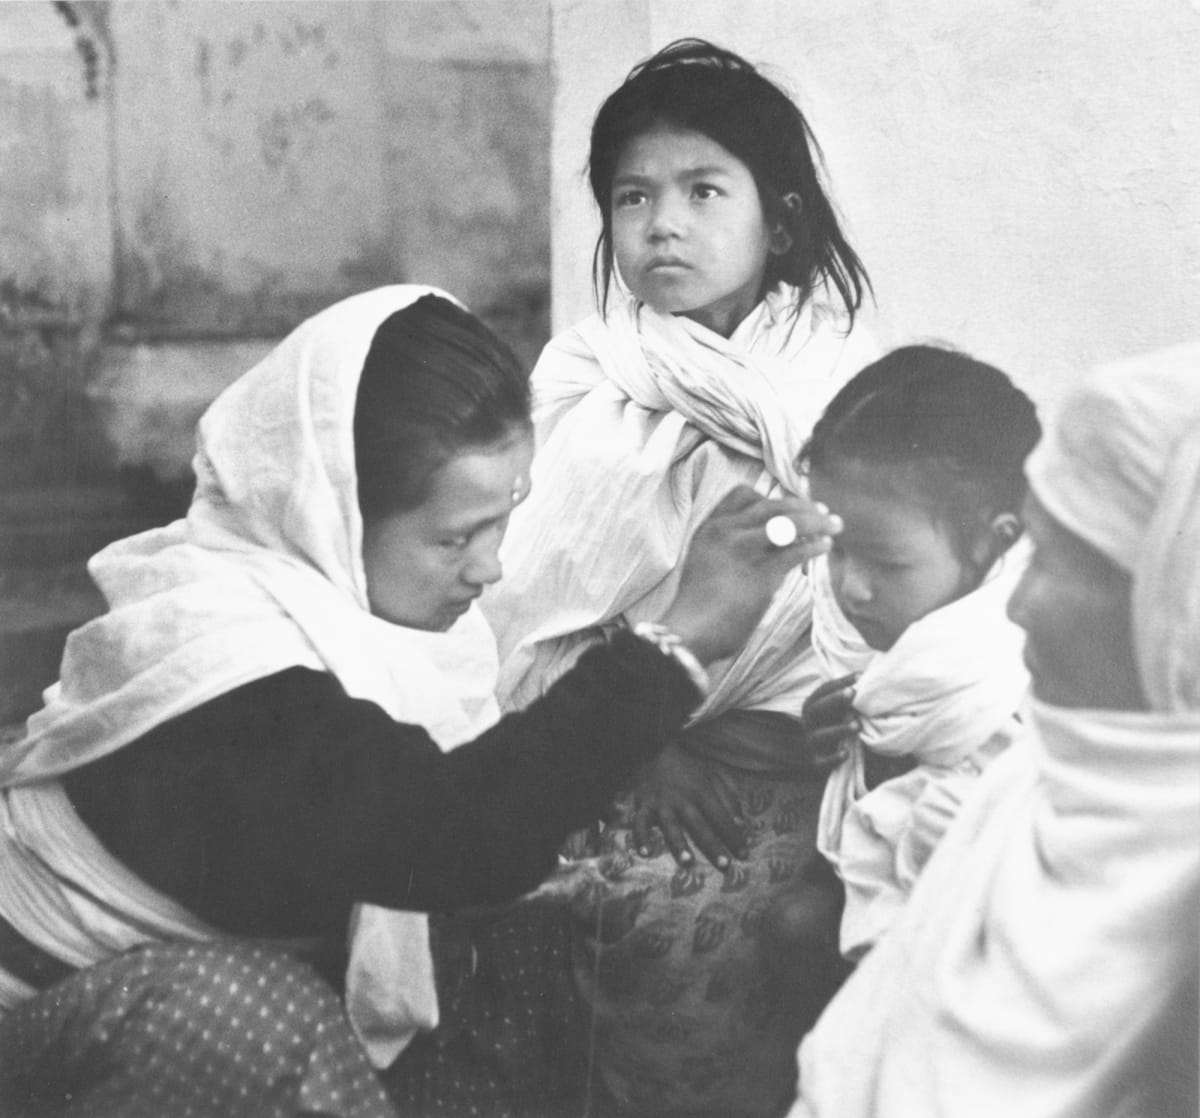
(1075, 607)
(426, 565)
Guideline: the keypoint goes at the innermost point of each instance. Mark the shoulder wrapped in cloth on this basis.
(946, 695)
(265, 573)
(1046, 964)
(644, 421)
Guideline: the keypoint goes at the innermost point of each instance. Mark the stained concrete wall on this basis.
(1021, 177)
(182, 182)
(55, 239)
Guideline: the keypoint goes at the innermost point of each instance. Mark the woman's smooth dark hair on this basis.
(692, 84)
(436, 382)
(961, 426)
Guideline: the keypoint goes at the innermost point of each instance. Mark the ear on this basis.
(999, 534)
(781, 240)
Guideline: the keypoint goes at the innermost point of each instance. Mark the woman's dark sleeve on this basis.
(272, 809)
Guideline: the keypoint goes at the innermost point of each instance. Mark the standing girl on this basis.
(727, 294)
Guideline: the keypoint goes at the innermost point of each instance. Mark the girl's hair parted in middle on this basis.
(692, 84)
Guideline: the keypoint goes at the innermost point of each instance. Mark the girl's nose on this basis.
(483, 565)
(854, 588)
(666, 219)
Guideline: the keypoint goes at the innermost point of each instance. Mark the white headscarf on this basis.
(1046, 964)
(644, 422)
(1121, 469)
(266, 573)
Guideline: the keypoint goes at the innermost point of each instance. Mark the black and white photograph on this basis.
(599, 559)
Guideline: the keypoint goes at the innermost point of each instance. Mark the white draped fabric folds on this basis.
(946, 694)
(1046, 964)
(644, 421)
(264, 573)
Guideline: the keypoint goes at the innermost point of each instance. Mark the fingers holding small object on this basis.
(781, 531)
(813, 532)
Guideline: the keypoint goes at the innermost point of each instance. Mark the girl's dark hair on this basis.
(436, 381)
(961, 425)
(691, 84)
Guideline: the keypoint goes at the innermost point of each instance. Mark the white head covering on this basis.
(1046, 962)
(266, 573)
(1121, 469)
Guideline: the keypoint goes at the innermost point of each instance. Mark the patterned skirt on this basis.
(694, 988)
(216, 1030)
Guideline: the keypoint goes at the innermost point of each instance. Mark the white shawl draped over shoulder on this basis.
(1046, 964)
(945, 694)
(644, 421)
(265, 573)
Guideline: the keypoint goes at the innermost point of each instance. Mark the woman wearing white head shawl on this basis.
(283, 729)
(1047, 962)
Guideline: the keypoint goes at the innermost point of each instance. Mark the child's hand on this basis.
(830, 724)
(685, 795)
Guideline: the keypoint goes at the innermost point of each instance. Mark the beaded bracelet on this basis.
(669, 644)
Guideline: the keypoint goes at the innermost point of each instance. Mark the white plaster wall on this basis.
(55, 223)
(1021, 177)
(235, 167)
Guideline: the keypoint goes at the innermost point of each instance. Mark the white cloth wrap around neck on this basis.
(1046, 963)
(945, 694)
(644, 421)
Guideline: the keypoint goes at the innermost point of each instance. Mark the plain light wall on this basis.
(1020, 177)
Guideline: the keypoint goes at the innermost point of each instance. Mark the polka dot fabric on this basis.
(191, 1031)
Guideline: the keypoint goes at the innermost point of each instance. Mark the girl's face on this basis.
(689, 234)
(1075, 606)
(425, 566)
(893, 562)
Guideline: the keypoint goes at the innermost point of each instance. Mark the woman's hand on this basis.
(732, 569)
(829, 721)
(685, 795)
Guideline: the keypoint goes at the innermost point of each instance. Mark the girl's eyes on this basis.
(884, 566)
(455, 543)
(625, 199)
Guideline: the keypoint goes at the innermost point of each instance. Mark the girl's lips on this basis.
(666, 263)
(867, 628)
